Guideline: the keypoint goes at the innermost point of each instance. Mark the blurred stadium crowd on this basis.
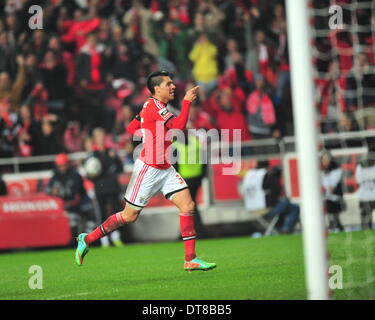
(87, 68)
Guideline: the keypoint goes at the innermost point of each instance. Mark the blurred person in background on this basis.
(32, 75)
(48, 140)
(205, 64)
(208, 18)
(346, 122)
(92, 72)
(261, 114)
(225, 108)
(124, 138)
(37, 100)
(8, 130)
(359, 94)
(66, 183)
(173, 45)
(37, 44)
(27, 132)
(13, 90)
(332, 179)
(137, 21)
(199, 119)
(278, 28)
(232, 51)
(53, 75)
(124, 62)
(7, 54)
(365, 177)
(330, 99)
(107, 187)
(342, 42)
(74, 32)
(257, 49)
(65, 57)
(74, 136)
(261, 188)
(3, 187)
(238, 78)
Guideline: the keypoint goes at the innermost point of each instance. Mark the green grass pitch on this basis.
(264, 268)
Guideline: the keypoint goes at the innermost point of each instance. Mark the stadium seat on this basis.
(268, 225)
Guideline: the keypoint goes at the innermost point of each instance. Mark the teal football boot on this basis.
(82, 249)
(198, 264)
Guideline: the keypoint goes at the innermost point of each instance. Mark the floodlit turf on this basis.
(265, 268)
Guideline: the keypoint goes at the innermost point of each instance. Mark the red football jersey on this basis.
(154, 116)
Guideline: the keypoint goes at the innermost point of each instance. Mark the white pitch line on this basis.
(76, 295)
(69, 296)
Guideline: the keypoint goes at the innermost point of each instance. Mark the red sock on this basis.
(112, 223)
(188, 235)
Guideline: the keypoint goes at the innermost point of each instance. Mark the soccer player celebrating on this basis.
(153, 172)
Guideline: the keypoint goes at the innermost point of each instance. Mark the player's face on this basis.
(166, 89)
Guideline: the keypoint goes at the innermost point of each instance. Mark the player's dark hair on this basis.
(155, 79)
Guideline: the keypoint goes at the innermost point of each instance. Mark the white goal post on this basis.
(305, 119)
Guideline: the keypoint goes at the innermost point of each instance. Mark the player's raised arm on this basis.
(181, 121)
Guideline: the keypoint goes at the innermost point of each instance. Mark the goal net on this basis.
(343, 50)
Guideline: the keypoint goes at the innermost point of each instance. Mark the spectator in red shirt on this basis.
(92, 73)
(260, 112)
(330, 98)
(227, 116)
(341, 42)
(79, 29)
